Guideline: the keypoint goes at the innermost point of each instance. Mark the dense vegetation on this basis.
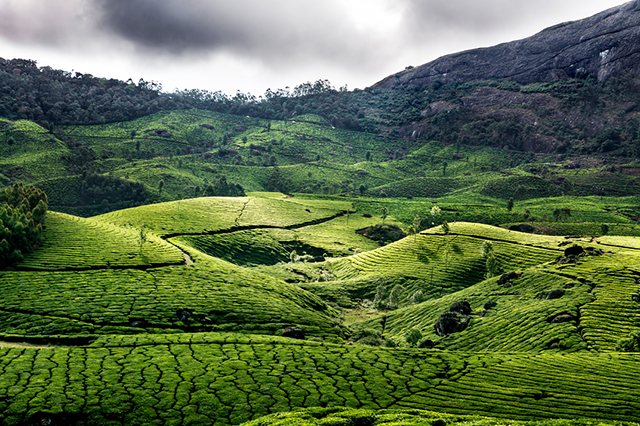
(22, 215)
(491, 113)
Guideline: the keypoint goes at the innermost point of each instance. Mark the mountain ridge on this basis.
(597, 46)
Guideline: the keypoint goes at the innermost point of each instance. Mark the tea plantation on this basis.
(200, 268)
(179, 312)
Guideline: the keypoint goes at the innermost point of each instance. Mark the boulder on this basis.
(505, 279)
(184, 314)
(490, 304)
(555, 294)
(574, 250)
(563, 318)
(426, 344)
(293, 332)
(523, 227)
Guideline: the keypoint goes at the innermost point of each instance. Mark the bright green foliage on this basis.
(413, 336)
(489, 258)
(594, 311)
(108, 301)
(70, 242)
(629, 344)
(214, 214)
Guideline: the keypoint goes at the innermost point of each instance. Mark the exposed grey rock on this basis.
(601, 46)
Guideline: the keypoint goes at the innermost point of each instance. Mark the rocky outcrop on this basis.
(602, 46)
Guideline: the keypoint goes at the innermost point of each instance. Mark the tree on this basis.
(491, 264)
(385, 213)
(277, 182)
(510, 204)
(362, 189)
(22, 215)
(416, 226)
(142, 235)
(417, 297)
(378, 300)
(445, 227)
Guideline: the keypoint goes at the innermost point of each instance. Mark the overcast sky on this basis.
(252, 45)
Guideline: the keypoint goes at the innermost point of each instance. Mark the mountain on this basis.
(602, 46)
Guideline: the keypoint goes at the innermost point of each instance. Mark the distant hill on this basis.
(602, 46)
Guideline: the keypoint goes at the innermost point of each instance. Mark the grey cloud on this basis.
(271, 31)
(429, 17)
(52, 22)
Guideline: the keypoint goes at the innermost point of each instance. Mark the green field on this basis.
(182, 248)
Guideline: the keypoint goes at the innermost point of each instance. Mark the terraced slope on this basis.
(340, 416)
(30, 153)
(91, 276)
(214, 214)
(439, 264)
(594, 306)
(214, 296)
(268, 246)
(71, 242)
(205, 379)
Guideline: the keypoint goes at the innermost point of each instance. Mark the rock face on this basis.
(602, 46)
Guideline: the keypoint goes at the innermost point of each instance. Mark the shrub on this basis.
(413, 336)
(629, 344)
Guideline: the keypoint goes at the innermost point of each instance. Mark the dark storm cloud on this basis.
(266, 30)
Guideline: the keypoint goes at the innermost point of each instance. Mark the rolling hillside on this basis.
(108, 327)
